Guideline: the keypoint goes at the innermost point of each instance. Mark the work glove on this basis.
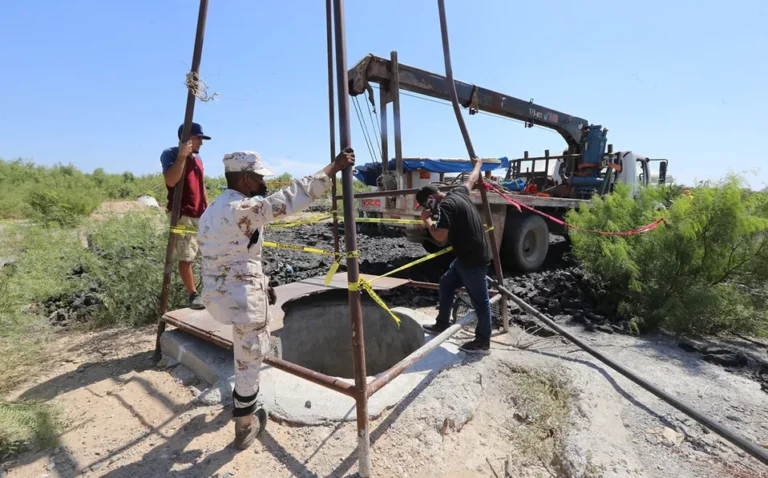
(272, 295)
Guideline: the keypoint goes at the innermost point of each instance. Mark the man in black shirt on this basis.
(457, 220)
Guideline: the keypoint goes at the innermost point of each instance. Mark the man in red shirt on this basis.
(194, 201)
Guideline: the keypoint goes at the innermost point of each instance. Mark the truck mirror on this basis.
(663, 172)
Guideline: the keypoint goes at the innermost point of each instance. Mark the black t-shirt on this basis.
(466, 233)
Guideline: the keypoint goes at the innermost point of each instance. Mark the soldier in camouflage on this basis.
(235, 289)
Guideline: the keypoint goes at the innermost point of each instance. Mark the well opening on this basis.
(316, 334)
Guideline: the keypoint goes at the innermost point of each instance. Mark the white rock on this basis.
(148, 201)
(220, 393)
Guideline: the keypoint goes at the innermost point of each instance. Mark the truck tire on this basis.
(525, 243)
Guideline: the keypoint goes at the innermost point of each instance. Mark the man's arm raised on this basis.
(252, 213)
(474, 176)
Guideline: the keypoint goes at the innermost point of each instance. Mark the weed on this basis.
(28, 425)
(542, 404)
(129, 254)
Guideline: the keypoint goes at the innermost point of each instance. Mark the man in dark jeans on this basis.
(457, 220)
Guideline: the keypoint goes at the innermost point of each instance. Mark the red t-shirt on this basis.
(193, 202)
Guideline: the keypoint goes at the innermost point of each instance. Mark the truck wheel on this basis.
(525, 242)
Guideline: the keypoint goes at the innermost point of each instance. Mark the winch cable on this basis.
(366, 133)
(376, 129)
(728, 433)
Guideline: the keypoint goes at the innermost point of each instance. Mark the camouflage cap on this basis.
(245, 161)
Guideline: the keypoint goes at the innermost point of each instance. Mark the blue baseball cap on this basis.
(196, 130)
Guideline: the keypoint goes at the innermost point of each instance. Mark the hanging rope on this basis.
(198, 87)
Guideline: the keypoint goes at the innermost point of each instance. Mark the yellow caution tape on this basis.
(182, 229)
(301, 222)
(297, 248)
(362, 284)
(369, 289)
(416, 262)
(420, 260)
(372, 220)
(311, 250)
(385, 220)
(331, 272)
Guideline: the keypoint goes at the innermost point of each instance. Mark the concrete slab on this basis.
(201, 324)
(291, 398)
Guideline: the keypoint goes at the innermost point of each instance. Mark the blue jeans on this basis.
(472, 279)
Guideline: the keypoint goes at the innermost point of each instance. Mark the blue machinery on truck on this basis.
(579, 136)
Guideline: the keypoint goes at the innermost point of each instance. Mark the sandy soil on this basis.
(130, 418)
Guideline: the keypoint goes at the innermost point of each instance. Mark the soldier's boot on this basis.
(246, 430)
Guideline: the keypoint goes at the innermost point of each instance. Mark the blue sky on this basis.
(100, 83)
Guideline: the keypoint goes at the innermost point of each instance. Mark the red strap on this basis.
(518, 205)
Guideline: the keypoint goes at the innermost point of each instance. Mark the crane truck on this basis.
(587, 167)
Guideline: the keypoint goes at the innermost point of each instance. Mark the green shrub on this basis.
(704, 272)
(129, 254)
(28, 425)
(63, 195)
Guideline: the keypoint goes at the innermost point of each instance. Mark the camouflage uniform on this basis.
(230, 237)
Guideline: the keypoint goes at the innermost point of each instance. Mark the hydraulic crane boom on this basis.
(374, 69)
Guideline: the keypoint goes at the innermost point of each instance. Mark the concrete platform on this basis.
(200, 323)
(291, 398)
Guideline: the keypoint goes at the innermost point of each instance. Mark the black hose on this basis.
(729, 434)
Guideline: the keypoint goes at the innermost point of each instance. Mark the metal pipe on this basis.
(399, 192)
(383, 99)
(722, 430)
(394, 91)
(331, 118)
(333, 383)
(389, 375)
(203, 334)
(350, 235)
(189, 112)
(321, 379)
(471, 151)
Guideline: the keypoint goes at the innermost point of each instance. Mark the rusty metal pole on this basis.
(472, 155)
(165, 291)
(383, 99)
(394, 92)
(332, 119)
(350, 233)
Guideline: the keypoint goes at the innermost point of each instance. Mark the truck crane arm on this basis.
(374, 69)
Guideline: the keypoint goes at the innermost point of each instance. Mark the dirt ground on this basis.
(130, 418)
